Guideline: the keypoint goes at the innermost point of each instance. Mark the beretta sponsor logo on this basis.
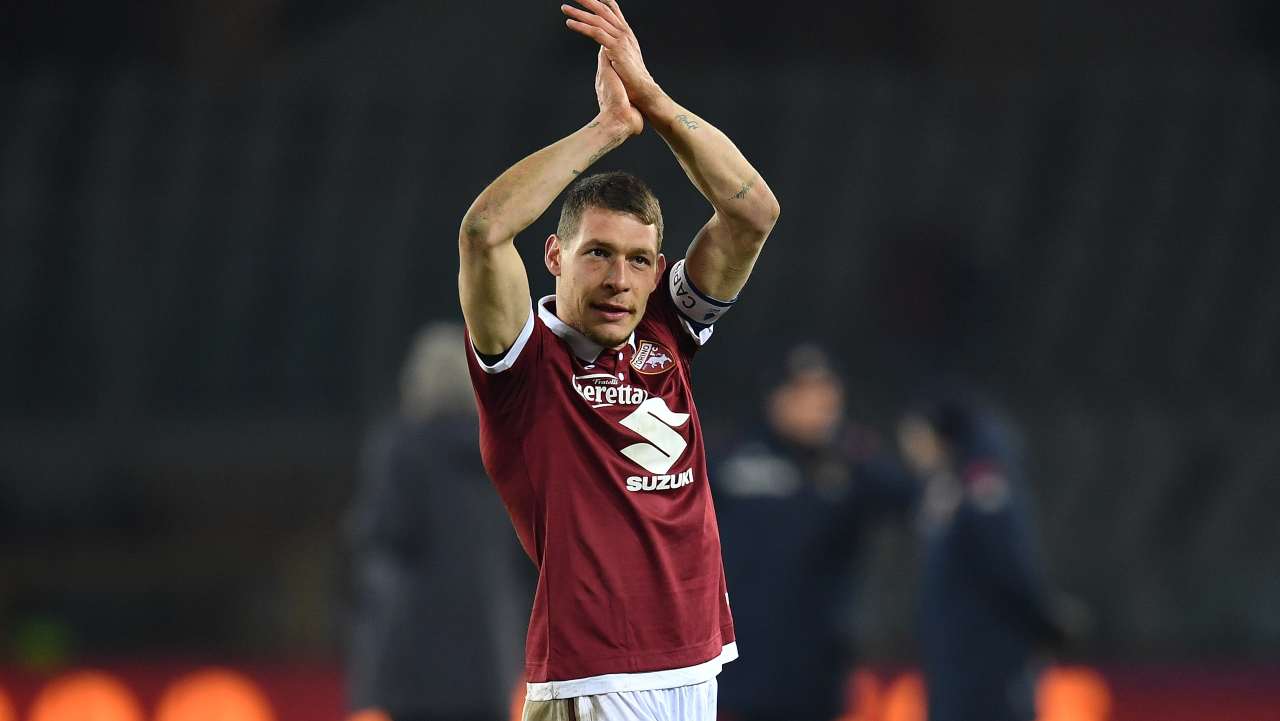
(651, 358)
(603, 389)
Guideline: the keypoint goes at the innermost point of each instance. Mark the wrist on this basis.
(613, 124)
(651, 101)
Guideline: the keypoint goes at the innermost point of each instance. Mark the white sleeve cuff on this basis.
(699, 336)
(508, 359)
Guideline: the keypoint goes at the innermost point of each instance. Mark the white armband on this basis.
(700, 309)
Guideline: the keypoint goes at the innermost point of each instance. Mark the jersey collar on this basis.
(586, 349)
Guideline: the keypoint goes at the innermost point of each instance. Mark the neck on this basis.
(558, 311)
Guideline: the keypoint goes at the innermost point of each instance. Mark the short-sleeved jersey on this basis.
(598, 456)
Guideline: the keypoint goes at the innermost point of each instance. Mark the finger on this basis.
(617, 10)
(609, 24)
(603, 10)
(591, 31)
(586, 17)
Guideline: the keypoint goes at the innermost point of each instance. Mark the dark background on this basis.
(221, 222)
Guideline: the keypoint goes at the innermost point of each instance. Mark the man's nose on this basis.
(618, 278)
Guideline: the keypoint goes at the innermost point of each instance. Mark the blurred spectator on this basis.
(441, 588)
(792, 502)
(985, 608)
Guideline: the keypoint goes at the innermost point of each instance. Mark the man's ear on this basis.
(551, 254)
(662, 268)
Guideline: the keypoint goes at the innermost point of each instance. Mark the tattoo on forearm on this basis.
(746, 187)
(594, 124)
(614, 142)
(688, 122)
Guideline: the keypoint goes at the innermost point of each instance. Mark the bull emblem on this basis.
(652, 358)
(657, 359)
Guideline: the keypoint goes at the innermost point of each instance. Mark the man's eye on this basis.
(641, 260)
(598, 252)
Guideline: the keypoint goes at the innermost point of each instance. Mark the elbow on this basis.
(750, 225)
(763, 215)
(753, 209)
(772, 210)
(478, 233)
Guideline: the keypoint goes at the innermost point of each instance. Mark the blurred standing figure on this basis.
(792, 503)
(441, 587)
(984, 605)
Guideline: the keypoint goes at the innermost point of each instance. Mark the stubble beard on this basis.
(604, 341)
(604, 337)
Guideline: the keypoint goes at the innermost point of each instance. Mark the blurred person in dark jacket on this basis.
(986, 610)
(792, 502)
(441, 589)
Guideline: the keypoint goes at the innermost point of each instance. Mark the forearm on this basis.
(713, 163)
(523, 192)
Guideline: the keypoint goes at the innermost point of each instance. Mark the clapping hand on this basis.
(603, 21)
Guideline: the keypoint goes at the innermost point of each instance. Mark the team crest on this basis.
(651, 358)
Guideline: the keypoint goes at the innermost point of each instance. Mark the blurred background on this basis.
(222, 223)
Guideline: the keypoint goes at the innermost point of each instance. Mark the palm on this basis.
(612, 96)
(604, 23)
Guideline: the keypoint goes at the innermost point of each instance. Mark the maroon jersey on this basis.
(597, 454)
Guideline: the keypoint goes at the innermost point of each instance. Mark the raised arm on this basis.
(725, 250)
(492, 284)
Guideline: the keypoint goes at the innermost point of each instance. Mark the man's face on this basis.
(808, 408)
(604, 275)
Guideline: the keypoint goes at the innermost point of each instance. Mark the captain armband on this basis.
(699, 311)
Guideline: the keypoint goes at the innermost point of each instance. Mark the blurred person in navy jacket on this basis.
(441, 588)
(985, 608)
(792, 502)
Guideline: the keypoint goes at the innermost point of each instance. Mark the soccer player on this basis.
(588, 425)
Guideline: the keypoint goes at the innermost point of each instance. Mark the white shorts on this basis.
(683, 703)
